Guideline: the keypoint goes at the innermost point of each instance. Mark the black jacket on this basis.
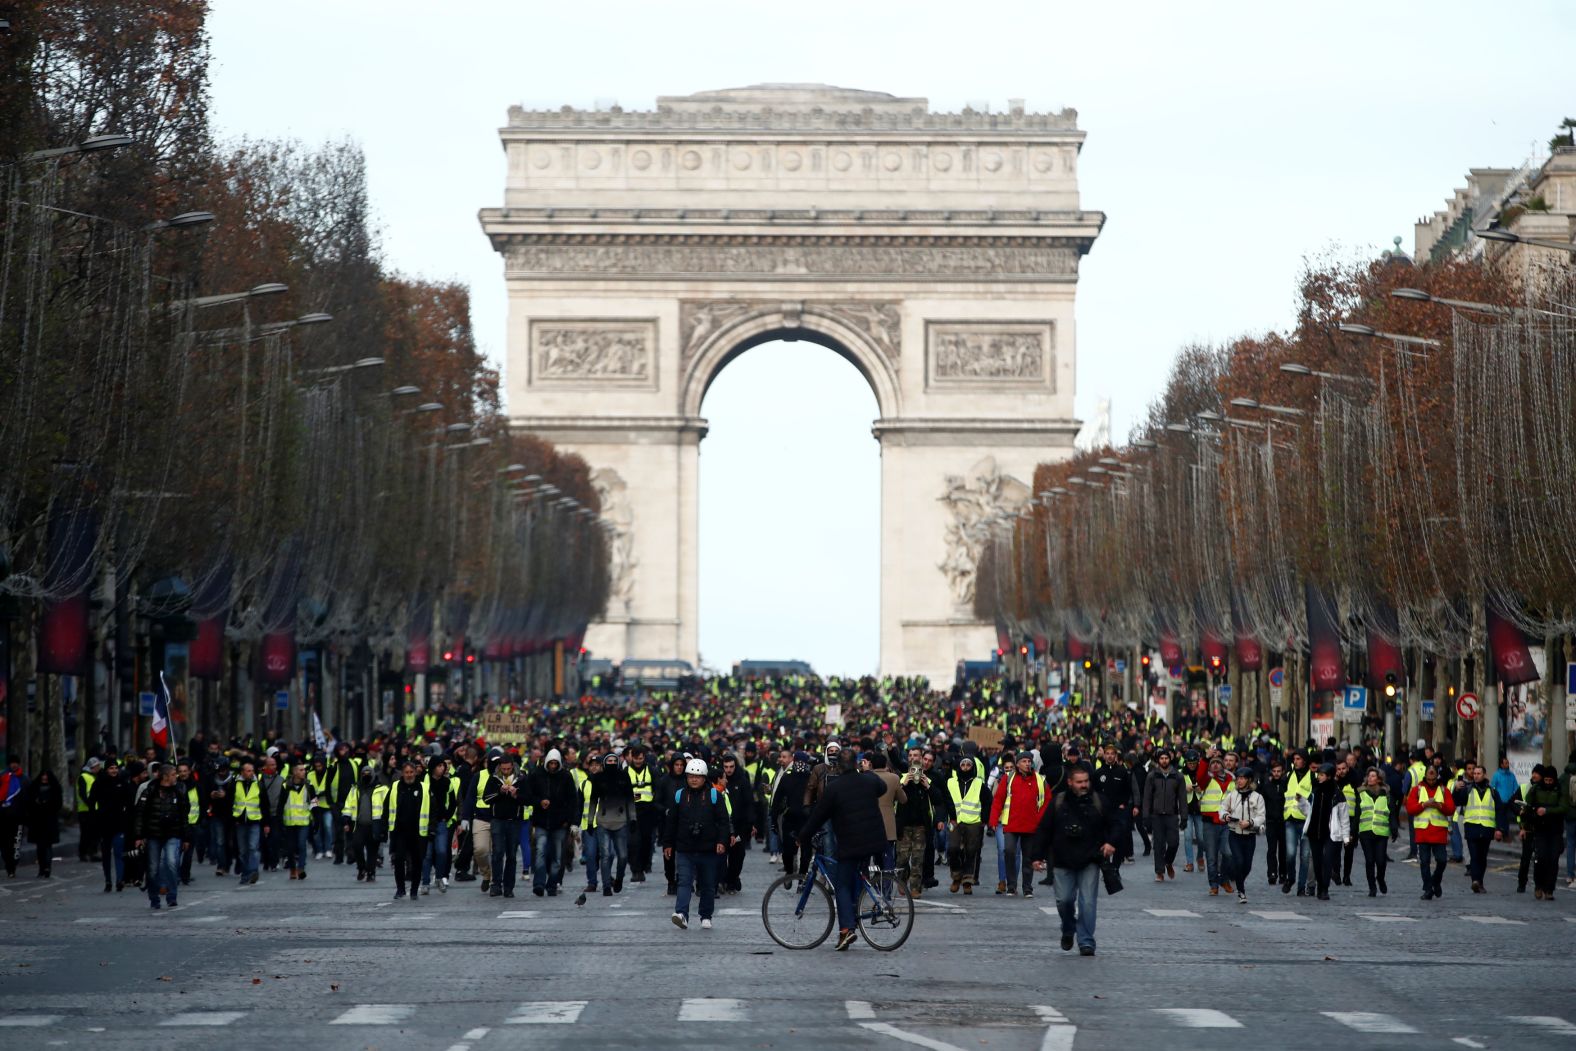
(742, 795)
(163, 812)
(111, 800)
(697, 821)
(1074, 828)
(558, 788)
(852, 802)
(503, 806)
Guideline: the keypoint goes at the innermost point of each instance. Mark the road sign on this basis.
(1277, 677)
(1428, 711)
(1354, 703)
(1467, 706)
(1223, 692)
(1570, 680)
(1121, 667)
(1277, 696)
(145, 705)
(282, 700)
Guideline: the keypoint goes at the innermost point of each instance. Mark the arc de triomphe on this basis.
(937, 252)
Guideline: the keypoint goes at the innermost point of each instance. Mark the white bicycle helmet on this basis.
(696, 766)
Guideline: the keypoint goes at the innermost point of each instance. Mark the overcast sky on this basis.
(1225, 149)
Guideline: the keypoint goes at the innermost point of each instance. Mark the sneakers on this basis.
(705, 925)
(1028, 893)
(443, 886)
(1242, 897)
(845, 938)
(680, 921)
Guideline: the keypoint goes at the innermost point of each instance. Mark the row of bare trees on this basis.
(219, 408)
(1393, 471)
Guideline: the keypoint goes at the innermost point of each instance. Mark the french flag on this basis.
(161, 715)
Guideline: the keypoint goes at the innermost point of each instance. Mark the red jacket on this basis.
(1027, 809)
(1414, 806)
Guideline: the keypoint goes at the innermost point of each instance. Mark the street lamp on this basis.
(1417, 295)
(1294, 369)
(91, 144)
(430, 406)
(176, 222)
(401, 392)
(1497, 234)
(1143, 443)
(268, 288)
(1373, 333)
(334, 370)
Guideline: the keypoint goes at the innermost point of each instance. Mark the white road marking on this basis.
(96, 919)
(1050, 910)
(1387, 917)
(1050, 1015)
(205, 919)
(1369, 1021)
(1174, 914)
(859, 1010)
(458, 1047)
(1494, 919)
(204, 1018)
(477, 1033)
(909, 1038)
(518, 914)
(1199, 1018)
(939, 904)
(1553, 1023)
(375, 1014)
(1059, 1038)
(712, 1009)
(1270, 914)
(547, 1012)
(1466, 1041)
(28, 1021)
(738, 912)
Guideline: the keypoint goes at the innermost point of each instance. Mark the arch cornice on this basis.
(868, 333)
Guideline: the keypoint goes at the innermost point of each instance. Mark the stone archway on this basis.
(936, 252)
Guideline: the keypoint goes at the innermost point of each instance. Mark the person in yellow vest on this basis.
(587, 824)
(1376, 826)
(87, 844)
(1212, 788)
(185, 777)
(295, 808)
(247, 811)
(321, 835)
(1018, 803)
(643, 836)
(363, 811)
(1294, 816)
(1346, 778)
(1431, 806)
(444, 788)
(408, 807)
(1480, 806)
(968, 801)
(1414, 777)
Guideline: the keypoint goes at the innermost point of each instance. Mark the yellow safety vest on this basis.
(641, 780)
(482, 810)
(587, 818)
(1297, 788)
(1480, 807)
(319, 786)
(1210, 798)
(84, 789)
(1373, 813)
(298, 812)
(191, 807)
(248, 805)
(966, 807)
(1006, 806)
(1415, 771)
(380, 793)
(1430, 818)
(391, 807)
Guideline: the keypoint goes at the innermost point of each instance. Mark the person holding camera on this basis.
(1077, 835)
(915, 820)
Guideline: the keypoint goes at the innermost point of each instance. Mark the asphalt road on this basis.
(329, 963)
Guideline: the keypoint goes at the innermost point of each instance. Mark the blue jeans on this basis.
(218, 849)
(164, 867)
(1193, 840)
(846, 883)
(323, 831)
(505, 844)
(440, 849)
(588, 856)
(296, 845)
(1080, 887)
(525, 845)
(1212, 837)
(1001, 854)
(1455, 841)
(247, 840)
(112, 853)
(1297, 855)
(612, 846)
(696, 868)
(547, 848)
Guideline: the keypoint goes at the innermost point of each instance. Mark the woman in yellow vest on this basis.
(1480, 809)
(1376, 826)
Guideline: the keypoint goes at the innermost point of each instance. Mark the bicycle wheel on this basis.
(886, 912)
(798, 916)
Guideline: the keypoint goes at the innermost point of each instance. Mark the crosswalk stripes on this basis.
(203, 1018)
(1199, 1018)
(1548, 1022)
(859, 1010)
(1369, 1021)
(1386, 917)
(1174, 914)
(375, 1014)
(28, 1021)
(713, 1009)
(1504, 920)
(1278, 915)
(547, 1012)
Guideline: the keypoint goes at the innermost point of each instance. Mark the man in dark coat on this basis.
(852, 802)
(1077, 832)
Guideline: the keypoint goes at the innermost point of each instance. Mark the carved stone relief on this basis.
(975, 500)
(658, 259)
(880, 322)
(615, 352)
(619, 512)
(972, 354)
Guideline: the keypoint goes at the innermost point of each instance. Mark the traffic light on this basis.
(1088, 664)
(448, 655)
(470, 658)
(1389, 684)
(1214, 662)
(1023, 651)
(1144, 661)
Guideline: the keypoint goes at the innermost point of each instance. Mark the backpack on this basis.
(678, 797)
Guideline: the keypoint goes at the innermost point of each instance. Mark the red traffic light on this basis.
(470, 658)
(1144, 660)
(1214, 662)
(1023, 651)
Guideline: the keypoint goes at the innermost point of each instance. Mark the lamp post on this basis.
(1506, 237)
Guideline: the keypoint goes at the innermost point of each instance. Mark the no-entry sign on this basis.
(1467, 706)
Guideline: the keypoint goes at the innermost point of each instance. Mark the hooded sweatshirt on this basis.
(551, 784)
